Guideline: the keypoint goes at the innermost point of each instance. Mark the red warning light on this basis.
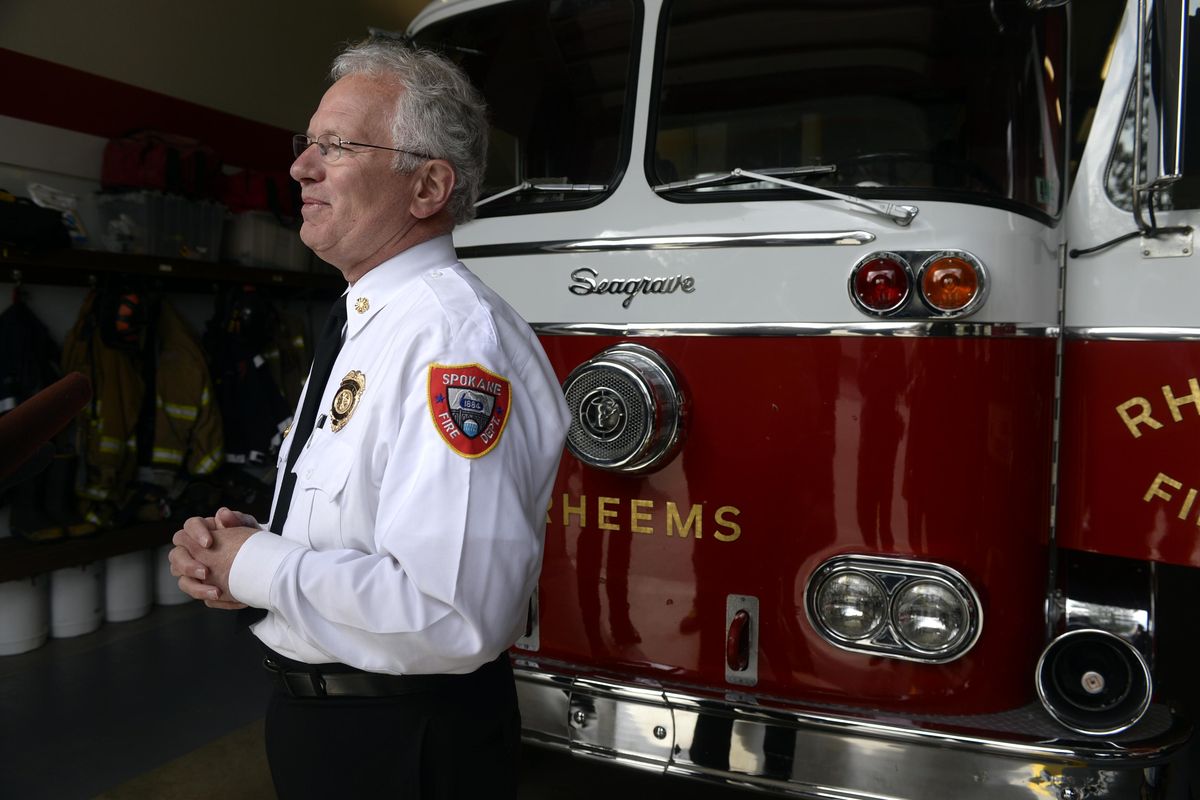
(880, 283)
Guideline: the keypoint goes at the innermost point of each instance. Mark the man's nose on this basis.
(307, 165)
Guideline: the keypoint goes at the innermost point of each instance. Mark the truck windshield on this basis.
(557, 76)
(936, 99)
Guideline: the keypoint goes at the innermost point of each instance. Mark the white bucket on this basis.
(166, 585)
(24, 614)
(128, 586)
(76, 600)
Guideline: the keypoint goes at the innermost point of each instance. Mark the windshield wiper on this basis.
(900, 214)
(736, 176)
(527, 186)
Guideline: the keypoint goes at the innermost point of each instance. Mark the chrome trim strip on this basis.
(677, 242)
(825, 752)
(1134, 334)
(932, 328)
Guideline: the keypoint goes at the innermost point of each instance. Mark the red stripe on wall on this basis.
(52, 94)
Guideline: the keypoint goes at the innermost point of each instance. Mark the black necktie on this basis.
(327, 350)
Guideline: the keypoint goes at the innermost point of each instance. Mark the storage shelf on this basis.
(20, 558)
(91, 267)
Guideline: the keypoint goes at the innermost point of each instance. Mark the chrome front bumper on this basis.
(837, 753)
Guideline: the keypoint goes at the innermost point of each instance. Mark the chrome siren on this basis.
(1094, 682)
(627, 410)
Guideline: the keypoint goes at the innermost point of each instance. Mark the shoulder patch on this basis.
(469, 406)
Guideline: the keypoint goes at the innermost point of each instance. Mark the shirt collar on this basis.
(386, 282)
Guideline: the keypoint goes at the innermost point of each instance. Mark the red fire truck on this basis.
(878, 323)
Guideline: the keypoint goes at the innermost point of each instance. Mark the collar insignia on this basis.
(361, 305)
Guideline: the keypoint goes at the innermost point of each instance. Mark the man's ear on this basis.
(434, 183)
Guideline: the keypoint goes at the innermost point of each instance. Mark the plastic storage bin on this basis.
(157, 224)
(24, 614)
(76, 600)
(256, 239)
(128, 586)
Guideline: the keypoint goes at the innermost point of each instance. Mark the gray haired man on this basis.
(407, 529)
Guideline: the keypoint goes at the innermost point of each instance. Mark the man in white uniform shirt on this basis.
(413, 536)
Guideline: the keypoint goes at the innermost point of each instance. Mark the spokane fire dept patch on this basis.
(469, 406)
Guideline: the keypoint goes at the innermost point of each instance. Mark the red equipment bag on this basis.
(163, 161)
(257, 190)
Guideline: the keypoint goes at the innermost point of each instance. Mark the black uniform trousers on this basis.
(454, 738)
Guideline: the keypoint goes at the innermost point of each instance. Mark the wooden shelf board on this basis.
(20, 558)
(84, 267)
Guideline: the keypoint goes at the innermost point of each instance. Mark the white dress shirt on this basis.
(400, 554)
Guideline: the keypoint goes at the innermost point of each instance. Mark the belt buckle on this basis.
(304, 684)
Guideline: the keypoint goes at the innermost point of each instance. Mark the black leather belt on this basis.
(314, 682)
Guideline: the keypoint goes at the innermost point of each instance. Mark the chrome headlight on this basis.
(852, 605)
(930, 616)
(896, 607)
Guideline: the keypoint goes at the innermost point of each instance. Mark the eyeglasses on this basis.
(332, 145)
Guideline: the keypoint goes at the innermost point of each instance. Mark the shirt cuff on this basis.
(255, 565)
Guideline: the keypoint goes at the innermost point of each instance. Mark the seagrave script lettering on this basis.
(585, 281)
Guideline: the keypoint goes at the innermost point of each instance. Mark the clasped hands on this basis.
(203, 555)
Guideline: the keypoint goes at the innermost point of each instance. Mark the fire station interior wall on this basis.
(69, 161)
(247, 73)
(265, 61)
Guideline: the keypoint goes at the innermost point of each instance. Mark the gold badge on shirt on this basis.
(346, 399)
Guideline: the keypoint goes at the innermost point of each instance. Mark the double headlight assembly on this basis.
(914, 610)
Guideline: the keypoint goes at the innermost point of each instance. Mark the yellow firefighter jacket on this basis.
(187, 425)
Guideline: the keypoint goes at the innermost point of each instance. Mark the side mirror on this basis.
(1168, 55)
(1168, 69)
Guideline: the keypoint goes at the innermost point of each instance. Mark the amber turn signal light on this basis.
(952, 283)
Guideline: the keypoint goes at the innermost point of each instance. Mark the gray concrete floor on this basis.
(87, 713)
(159, 707)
